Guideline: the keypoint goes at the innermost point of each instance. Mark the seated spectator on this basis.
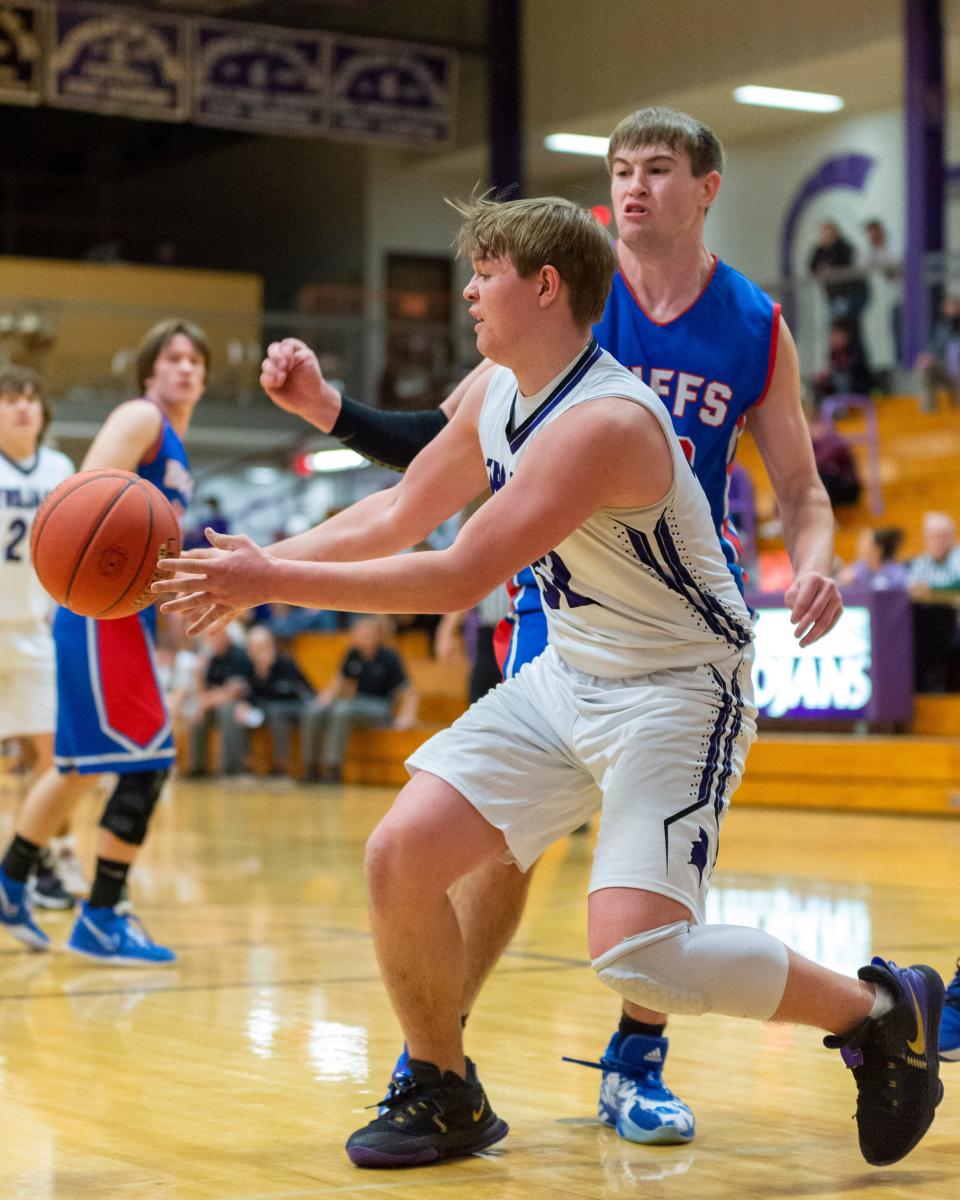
(847, 369)
(937, 570)
(226, 676)
(279, 691)
(177, 672)
(209, 517)
(836, 465)
(371, 688)
(939, 364)
(934, 581)
(876, 563)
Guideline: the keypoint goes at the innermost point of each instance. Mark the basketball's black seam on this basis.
(143, 557)
(86, 546)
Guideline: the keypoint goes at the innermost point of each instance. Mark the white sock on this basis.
(882, 1002)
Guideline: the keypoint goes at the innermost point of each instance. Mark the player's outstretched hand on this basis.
(235, 577)
(291, 377)
(815, 606)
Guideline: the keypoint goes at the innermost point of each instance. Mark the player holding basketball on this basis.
(28, 472)
(716, 350)
(111, 712)
(641, 705)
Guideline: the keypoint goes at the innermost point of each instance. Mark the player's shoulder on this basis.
(54, 462)
(138, 412)
(728, 278)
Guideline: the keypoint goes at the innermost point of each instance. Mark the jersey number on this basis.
(15, 535)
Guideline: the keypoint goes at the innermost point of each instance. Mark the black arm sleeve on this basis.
(391, 439)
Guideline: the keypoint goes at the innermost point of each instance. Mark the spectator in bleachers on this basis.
(210, 517)
(226, 676)
(876, 563)
(939, 364)
(371, 688)
(280, 691)
(884, 268)
(836, 465)
(847, 370)
(938, 568)
(934, 581)
(832, 262)
(287, 620)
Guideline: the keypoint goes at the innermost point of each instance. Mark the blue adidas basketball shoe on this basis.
(950, 1021)
(894, 1061)
(15, 914)
(117, 939)
(634, 1100)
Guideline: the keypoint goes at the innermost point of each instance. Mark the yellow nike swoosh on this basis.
(919, 1045)
(478, 1114)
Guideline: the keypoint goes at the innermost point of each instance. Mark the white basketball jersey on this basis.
(630, 591)
(23, 487)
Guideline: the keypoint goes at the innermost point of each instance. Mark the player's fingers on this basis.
(802, 596)
(213, 619)
(823, 601)
(181, 585)
(189, 566)
(825, 622)
(228, 541)
(185, 603)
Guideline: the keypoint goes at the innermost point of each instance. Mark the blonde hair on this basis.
(656, 126)
(547, 231)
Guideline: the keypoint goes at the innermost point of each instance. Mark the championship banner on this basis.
(20, 53)
(118, 61)
(392, 91)
(257, 77)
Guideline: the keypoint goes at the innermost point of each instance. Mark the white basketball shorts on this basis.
(28, 702)
(660, 755)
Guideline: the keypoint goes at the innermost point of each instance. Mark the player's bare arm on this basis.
(608, 454)
(782, 437)
(125, 437)
(292, 378)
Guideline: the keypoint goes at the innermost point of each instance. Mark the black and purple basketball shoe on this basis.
(426, 1117)
(894, 1060)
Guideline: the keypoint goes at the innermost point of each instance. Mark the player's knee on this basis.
(679, 968)
(393, 861)
(131, 804)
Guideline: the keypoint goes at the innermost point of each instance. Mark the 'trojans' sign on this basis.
(861, 671)
(831, 678)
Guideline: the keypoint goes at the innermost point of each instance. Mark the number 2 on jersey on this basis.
(15, 535)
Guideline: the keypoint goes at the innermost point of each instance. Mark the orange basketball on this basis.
(96, 540)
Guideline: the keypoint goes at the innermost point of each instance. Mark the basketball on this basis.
(96, 540)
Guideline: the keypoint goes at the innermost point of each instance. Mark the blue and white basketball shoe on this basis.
(15, 914)
(117, 939)
(950, 1021)
(634, 1100)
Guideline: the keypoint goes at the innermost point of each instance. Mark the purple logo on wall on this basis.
(845, 171)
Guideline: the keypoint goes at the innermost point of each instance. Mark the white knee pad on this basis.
(694, 969)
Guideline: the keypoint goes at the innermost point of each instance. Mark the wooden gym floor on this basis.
(238, 1074)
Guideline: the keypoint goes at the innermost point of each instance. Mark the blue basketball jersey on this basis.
(167, 467)
(111, 712)
(709, 366)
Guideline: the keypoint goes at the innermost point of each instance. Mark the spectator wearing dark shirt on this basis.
(847, 370)
(939, 364)
(226, 679)
(279, 690)
(876, 563)
(832, 262)
(371, 688)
